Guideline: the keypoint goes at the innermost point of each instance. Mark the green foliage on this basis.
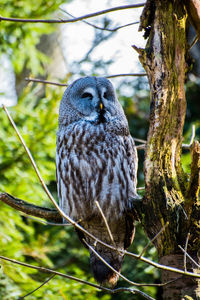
(19, 40)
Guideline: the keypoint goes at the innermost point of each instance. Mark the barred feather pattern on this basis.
(94, 164)
(96, 160)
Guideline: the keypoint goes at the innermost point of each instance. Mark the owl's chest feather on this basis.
(94, 163)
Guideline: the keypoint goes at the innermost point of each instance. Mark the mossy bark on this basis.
(169, 197)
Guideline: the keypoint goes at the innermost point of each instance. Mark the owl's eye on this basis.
(105, 95)
(87, 95)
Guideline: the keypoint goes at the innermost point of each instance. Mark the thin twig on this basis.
(106, 223)
(194, 41)
(126, 74)
(185, 257)
(45, 270)
(45, 81)
(98, 27)
(46, 281)
(123, 252)
(141, 188)
(139, 140)
(63, 84)
(141, 147)
(87, 16)
(153, 239)
(189, 256)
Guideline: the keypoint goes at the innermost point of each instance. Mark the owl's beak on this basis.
(101, 105)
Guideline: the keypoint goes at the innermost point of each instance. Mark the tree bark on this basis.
(168, 196)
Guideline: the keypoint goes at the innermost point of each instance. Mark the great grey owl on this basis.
(96, 160)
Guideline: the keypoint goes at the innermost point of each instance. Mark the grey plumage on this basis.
(96, 160)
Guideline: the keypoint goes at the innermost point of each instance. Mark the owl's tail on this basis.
(102, 273)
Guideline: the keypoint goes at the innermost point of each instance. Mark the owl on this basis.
(96, 160)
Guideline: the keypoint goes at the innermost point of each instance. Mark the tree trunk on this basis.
(169, 197)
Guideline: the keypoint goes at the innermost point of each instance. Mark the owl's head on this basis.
(92, 99)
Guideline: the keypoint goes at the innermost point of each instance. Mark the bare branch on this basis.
(46, 281)
(87, 16)
(139, 140)
(106, 223)
(141, 147)
(44, 81)
(126, 74)
(152, 240)
(63, 84)
(45, 270)
(98, 27)
(31, 209)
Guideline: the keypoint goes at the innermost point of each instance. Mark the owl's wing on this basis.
(130, 230)
(132, 158)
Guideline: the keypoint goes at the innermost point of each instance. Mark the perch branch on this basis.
(45, 270)
(87, 16)
(98, 27)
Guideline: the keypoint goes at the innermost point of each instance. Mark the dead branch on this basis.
(87, 16)
(106, 223)
(31, 209)
(63, 84)
(44, 81)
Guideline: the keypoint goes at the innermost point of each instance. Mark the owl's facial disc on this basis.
(96, 102)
